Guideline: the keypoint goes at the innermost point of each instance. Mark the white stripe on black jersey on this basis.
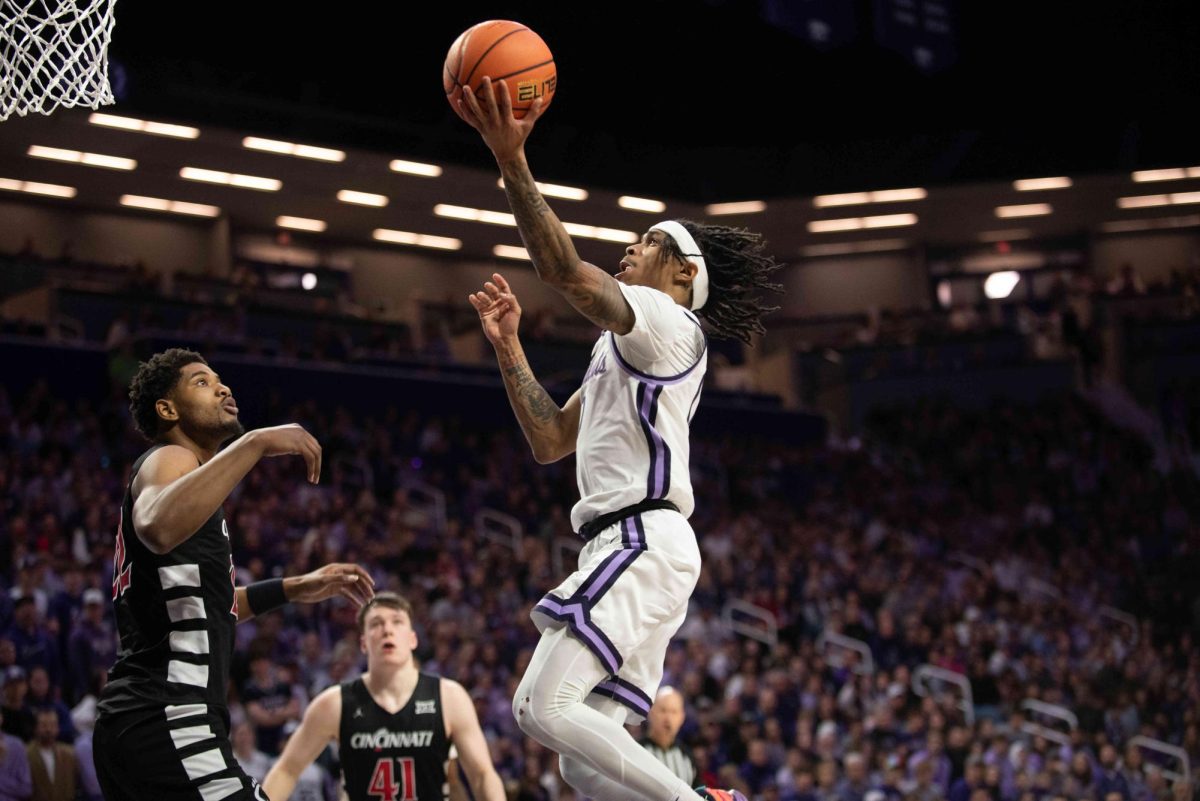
(176, 614)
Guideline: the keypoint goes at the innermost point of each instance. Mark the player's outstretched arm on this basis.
(462, 727)
(593, 292)
(174, 494)
(342, 579)
(318, 728)
(550, 430)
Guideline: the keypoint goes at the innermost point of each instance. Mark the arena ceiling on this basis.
(687, 102)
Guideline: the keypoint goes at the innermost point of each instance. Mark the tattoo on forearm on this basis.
(595, 295)
(549, 245)
(537, 203)
(530, 398)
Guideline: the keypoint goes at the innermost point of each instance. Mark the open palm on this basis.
(499, 311)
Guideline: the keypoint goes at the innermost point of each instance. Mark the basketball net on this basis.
(54, 53)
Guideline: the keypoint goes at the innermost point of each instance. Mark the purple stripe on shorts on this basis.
(620, 690)
(641, 531)
(633, 534)
(603, 577)
(575, 616)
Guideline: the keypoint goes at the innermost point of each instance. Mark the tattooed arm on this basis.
(551, 431)
(589, 289)
(593, 292)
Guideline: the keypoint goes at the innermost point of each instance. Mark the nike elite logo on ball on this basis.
(528, 91)
(501, 50)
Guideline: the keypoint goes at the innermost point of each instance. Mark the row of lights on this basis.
(261, 183)
(506, 219)
(879, 196)
(918, 193)
(746, 207)
(574, 193)
(613, 235)
(336, 156)
(552, 190)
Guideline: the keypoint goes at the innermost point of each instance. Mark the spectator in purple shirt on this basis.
(35, 647)
(972, 779)
(15, 783)
(66, 605)
(92, 647)
(936, 756)
(42, 696)
(1109, 778)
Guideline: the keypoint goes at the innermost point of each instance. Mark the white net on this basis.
(54, 53)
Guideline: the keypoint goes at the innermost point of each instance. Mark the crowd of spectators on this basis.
(1012, 546)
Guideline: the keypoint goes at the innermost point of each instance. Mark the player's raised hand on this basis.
(490, 112)
(291, 439)
(499, 311)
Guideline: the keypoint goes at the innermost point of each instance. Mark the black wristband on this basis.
(264, 596)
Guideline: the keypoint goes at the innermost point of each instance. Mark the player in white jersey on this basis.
(605, 630)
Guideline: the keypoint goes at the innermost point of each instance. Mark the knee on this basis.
(517, 704)
(540, 712)
(523, 713)
(576, 774)
(530, 711)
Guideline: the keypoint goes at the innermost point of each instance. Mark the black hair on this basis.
(154, 380)
(737, 267)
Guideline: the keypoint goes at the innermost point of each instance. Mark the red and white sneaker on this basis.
(719, 795)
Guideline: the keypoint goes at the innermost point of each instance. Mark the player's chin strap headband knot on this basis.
(691, 252)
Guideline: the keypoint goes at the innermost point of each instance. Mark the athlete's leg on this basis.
(185, 755)
(550, 707)
(587, 782)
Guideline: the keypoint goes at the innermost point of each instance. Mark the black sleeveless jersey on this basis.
(176, 614)
(400, 757)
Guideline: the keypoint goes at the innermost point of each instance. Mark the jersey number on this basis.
(383, 780)
(122, 573)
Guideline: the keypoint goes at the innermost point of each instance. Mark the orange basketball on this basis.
(499, 49)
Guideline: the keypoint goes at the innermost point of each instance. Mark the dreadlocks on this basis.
(737, 267)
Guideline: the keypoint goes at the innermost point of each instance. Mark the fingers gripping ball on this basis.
(500, 49)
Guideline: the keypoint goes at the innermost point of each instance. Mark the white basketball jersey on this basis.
(637, 401)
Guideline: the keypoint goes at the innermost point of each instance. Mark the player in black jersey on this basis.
(163, 727)
(394, 726)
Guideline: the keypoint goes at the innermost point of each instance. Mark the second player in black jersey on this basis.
(394, 726)
(163, 726)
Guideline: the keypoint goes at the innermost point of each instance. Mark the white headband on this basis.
(691, 252)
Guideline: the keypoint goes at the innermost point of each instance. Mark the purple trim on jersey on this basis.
(623, 692)
(658, 480)
(653, 379)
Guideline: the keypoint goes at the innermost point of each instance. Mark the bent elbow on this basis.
(154, 535)
(154, 540)
(548, 453)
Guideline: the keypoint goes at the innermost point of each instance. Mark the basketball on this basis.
(501, 49)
